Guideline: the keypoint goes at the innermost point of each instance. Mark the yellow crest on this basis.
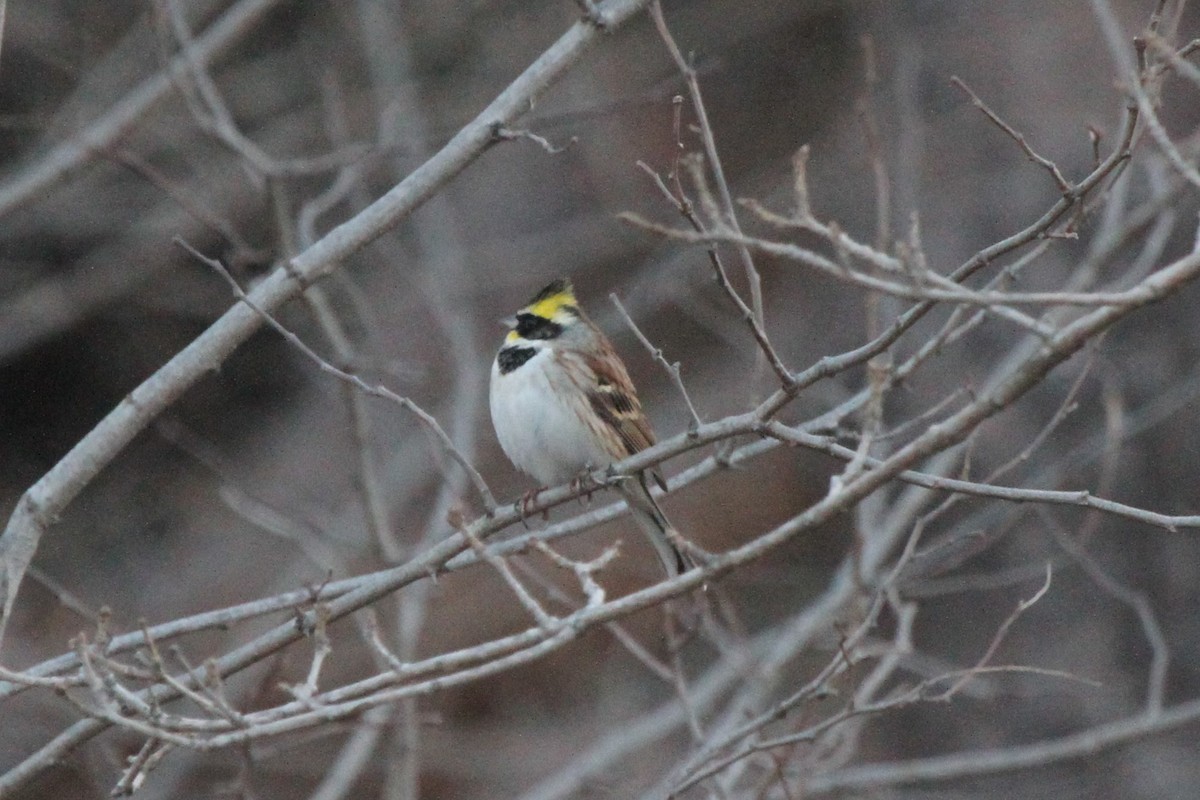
(550, 302)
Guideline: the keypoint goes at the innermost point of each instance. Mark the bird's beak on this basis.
(508, 322)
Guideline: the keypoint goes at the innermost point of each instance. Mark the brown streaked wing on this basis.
(615, 401)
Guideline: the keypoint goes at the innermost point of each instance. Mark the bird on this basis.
(562, 404)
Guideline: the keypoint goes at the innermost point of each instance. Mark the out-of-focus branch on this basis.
(999, 760)
(712, 155)
(223, 618)
(786, 708)
(3, 10)
(43, 502)
(49, 169)
(475, 663)
(940, 290)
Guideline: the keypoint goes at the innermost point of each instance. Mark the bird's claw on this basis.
(525, 504)
(585, 483)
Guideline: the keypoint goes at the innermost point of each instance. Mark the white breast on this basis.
(541, 434)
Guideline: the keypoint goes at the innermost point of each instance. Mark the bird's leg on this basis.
(584, 482)
(526, 502)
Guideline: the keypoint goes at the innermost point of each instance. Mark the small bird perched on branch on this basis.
(562, 403)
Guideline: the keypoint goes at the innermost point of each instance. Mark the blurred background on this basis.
(251, 484)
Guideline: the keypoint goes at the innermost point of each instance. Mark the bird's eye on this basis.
(531, 326)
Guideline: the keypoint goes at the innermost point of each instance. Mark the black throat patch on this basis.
(509, 358)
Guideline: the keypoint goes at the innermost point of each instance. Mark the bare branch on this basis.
(485, 494)
(995, 761)
(1063, 184)
(54, 166)
(657, 354)
(43, 502)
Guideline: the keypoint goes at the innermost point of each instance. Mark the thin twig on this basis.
(997, 638)
(657, 354)
(712, 155)
(44, 502)
(545, 620)
(378, 390)
(98, 137)
(1063, 184)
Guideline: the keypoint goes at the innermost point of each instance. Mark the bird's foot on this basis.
(526, 503)
(585, 483)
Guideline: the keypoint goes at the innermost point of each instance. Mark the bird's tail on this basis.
(656, 526)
